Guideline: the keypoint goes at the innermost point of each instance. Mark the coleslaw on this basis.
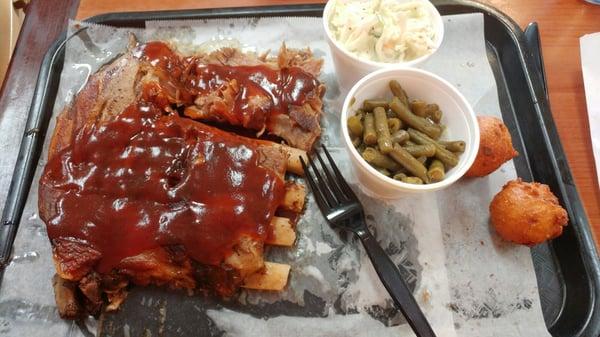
(387, 31)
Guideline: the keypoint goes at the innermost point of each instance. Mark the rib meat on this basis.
(279, 95)
(134, 193)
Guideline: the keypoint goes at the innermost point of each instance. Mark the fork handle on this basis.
(395, 285)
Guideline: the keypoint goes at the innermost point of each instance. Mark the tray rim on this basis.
(536, 84)
(34, 134)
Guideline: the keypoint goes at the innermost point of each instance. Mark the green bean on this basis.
(402, 157)
(394, 124)
(436, 170)
(453, 145)
(432, 107)
(360, 113)
(427, 150)
(400, 137)
(385, 172)
(361, 148)
(371, 104)
(369, 134)
(427, 127)
(399, 176)
(355, 126)
(389, 113)
(443, 127)
(409, 142)
(441, 153)
(384, 139)
(376, 158)
(356, 141)
(422, 109)
(397, 91)
(418, 107)
(436, 115)
(422, 159)
(412, 180)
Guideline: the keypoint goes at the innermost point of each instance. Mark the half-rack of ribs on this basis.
(135, 193)
(281, 96)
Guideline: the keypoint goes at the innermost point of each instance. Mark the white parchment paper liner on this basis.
(469, 282)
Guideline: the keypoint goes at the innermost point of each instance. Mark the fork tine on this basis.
(334, 185)
(324, 188)
(340, 178)
(313, 186)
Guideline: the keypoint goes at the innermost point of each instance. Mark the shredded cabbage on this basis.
(383, 30)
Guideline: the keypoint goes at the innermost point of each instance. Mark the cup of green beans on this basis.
(408, 130)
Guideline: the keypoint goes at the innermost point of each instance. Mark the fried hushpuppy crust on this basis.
(495, 147)
(527, 213)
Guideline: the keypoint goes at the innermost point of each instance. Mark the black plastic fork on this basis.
(341, 208)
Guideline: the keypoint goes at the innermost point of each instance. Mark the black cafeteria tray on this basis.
(567, 268)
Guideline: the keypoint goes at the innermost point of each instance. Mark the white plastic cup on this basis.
(349, 68)
(458, 116)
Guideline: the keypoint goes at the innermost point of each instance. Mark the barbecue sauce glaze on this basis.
(262, 92)
(148, 179)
